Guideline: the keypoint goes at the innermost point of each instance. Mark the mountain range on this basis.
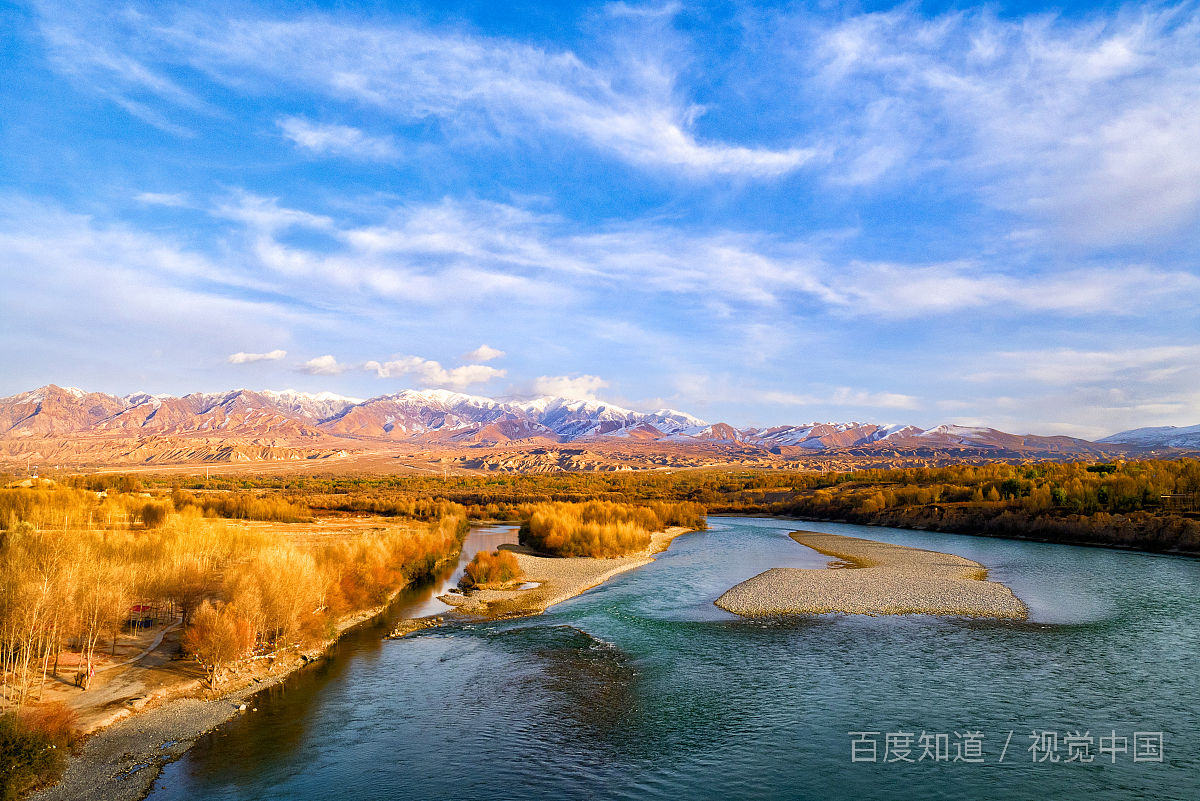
(69, 425)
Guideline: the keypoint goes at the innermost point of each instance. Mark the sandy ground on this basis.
(877, 579)
(558, 579)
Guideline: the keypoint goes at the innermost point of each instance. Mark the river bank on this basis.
(121, 760)
(875, 578)
(1135, 531)
(1055, 531)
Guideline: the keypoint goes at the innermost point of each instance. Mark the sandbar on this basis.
(874, 578)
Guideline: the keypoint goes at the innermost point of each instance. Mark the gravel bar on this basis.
(874, 578)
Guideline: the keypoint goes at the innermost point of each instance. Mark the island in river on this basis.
(874, 578)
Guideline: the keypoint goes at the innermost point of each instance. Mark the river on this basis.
(642, 689)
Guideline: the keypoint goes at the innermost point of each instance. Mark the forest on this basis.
(73, 565)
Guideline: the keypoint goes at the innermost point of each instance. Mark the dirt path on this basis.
(156, 642)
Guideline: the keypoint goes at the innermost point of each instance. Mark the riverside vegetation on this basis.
(603, 529)
(84, 561)
(1149, 504)
(77, 570)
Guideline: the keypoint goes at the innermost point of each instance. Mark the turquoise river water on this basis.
(642, 689)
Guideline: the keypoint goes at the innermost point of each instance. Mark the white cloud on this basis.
(623, 9)
(430, 373)
(1090, 393)
(84, 45)
(337, 140)
(581, 387)
(455, 250)
(908, 290)
(241, 357)
(484, 353)
(266, 215)
(324, 365)
(150, 299)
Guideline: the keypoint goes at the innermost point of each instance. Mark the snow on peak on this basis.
(1169, 436)
(680, 417)
(322, 397)
(446, 397)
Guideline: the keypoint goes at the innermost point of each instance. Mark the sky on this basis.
(759, 213)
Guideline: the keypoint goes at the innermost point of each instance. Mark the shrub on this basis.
(246, 506)
(486, 569)
(33, 746)
(154, 514)
(602, 528)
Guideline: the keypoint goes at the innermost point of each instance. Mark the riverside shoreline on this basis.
(875, 578)
(972, 530)
(121, 761)
(558, 579)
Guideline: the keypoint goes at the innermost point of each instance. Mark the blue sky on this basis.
(759, 213)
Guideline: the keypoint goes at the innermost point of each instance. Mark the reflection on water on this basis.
(642, 688)
(422, 601)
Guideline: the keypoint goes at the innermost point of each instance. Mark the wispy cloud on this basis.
(241, 357)
(427, 253)
(1158, 365)
(908, 290)
(843, 396)
(156, 304)
(86, 46)
(1089, 393)
(266, 215)
(632, 111)
(623, 9)
(337, 140)
(1089, 127)
(169, 199)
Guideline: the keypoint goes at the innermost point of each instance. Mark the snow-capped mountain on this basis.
(435, 413)
(284, 418)
(1159, 437)
(459, 417)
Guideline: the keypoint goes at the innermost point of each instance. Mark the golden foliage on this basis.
(602, 528)
(66, 588)
(491, 569)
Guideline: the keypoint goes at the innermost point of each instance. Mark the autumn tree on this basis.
(217, 636)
